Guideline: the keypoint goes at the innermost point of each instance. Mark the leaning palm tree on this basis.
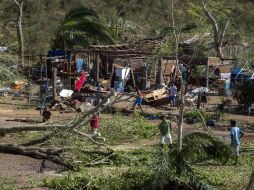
(81, 27)
(196, 147)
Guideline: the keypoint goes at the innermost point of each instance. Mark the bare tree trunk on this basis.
(218, 37)
(181, 110)
(20, 5)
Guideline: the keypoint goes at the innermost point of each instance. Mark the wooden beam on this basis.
(6, 130)
(97, 67)
(54, 72)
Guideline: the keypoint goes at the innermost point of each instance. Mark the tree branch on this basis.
(87, 136)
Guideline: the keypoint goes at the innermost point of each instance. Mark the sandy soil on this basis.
(24, 171)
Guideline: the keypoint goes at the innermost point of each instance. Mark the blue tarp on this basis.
(55, 53)
(236, 71)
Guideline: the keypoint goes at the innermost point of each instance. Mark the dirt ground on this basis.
(24, 170)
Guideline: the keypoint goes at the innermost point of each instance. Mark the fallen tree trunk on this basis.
(6, 130)
(38, 141)
(54, 154)
(34, 152)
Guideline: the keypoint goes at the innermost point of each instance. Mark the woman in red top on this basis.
(94, 123)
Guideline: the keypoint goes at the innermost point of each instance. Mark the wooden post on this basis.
(132, 76)
(46, 64)
(107, 69)
(207, 74)
(29, 74)
(155, 71)
(54, 72)
(97, 67)
(144, 77)
(69, 71)
(159, 73)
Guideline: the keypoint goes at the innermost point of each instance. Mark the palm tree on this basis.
(196, 147)
(81, 27)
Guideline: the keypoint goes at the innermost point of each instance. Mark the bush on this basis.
(244, 93)
(131, 179)
(194, 116)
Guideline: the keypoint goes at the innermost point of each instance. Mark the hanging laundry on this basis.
(79, 64)
(79, 83)
(252, 76)
(225, 75)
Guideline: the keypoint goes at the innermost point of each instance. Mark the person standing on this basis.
(236, 134)
(46, 114)
(165, 132)
(172, 94)
(138, 100)
(94, 123)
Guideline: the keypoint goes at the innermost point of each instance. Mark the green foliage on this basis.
(196, 146)
(136, 158)
(165, 48)
(82, 27)
(194, 116)
(8, 75)
(131, 179)
(228, 177)
(7, 184)
(118, 128)
(128, 20)
(201, 145)
(244, 93)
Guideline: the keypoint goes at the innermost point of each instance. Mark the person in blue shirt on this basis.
(236, 134)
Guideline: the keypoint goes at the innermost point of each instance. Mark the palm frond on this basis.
(175, 167)
(199, 145)
(165, 175)
(80, 12)
(91, 28)
(194, 180)
(82, 27)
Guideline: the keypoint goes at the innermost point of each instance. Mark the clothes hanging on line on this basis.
(80, 64)
(79, 83)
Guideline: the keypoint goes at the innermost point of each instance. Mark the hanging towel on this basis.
(79, 83)
(79, 64)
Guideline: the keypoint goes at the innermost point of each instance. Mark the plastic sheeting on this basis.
(66, 93)
(123, 73)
